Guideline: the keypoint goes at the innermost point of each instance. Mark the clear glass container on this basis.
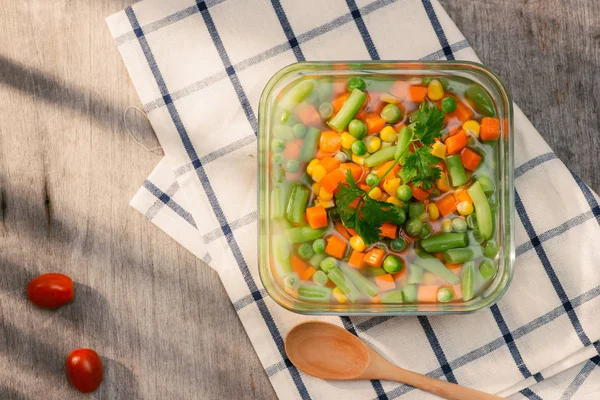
(503, 180)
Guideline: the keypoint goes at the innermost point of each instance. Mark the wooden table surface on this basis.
(157, 315)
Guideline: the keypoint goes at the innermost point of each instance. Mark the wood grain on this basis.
(158, 317)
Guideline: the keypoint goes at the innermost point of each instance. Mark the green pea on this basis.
(490, 249)
(356, 83)
(398, 244)
(326, 110)
(448, 105)
(284, 116)
(341, 156)
(306, 251)
(391, 113)
(459, 225)
(425, 81)
(278, 158)
(299, 130)
(319, 246)
(392, 264)
(333, 214)
(291, 281)
(371, 179)
(414, 226)
(359, 148)
(471, 221)
(425, 231)
(487, 269)
(320, 278)
(444, 295)
(278, 145)
(404, 192)
(357, 128)
(313, 97)
(277, 174)
(292, 166)
(328, 264)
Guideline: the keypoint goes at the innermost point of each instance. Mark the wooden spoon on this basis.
(329, 352)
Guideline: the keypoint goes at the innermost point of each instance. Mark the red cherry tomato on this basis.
(51, 290)
(84, 370)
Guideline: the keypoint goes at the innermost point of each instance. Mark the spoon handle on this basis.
(441, 388)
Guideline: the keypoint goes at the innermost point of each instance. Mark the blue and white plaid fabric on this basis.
(199, 69)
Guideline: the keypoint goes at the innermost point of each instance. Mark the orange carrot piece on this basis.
(330, 141)
(470, 159)
(417, 93)
(374, 257)
(384, 167)
(356, 169)
(354, 204)
(374, 123)
(339, 88)
(342, 230)
(357, 259)
(292, 149)
(400, 89)
(364, 186)
(309, 115)
(339, 101)
(308, 273)
(336, 247)
(352, 232)
(389, 230)
(419, 193)
(385, 282)
(463, 112)
(427, 293)
(323, 154)
(454, 127)
(457, 289)
(298, 264)
(331, 180)
(330, 163)
(490, 128)
(462, 195)
(316, 217)
(454, 144)
(446, 205)
(375, 299)
(453, 266)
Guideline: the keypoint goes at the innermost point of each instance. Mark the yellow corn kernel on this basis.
(447, 225)
(373, 143)
(339, 295)
(388, 134)
(395, 201)
(464, 208)
(318, 172)
(325, 195)
(357, 243)
(389, 98)
(391, 186)
(386, 144)
(325, 203)
(472, 127)
(439, 150)
(311, 165)
(434, 213)
(375, 194)
(316, 188)
(347, 140)
(435, 90)
(442, 182)
(360, 160)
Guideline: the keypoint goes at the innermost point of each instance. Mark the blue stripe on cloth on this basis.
(169, 202)
(376, 384)
(589, 196)
(218, 211)
(534, 162)
(235, 81)
(437, 349)
(510, 342)
(558, 287)
(362, 28)
(437, 27)
(580, 378)
(530, 394)
(538, 377)
(287, 29)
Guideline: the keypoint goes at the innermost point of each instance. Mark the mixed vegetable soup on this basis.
(382, 189)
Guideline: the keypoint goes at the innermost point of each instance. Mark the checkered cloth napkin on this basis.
(199, 69)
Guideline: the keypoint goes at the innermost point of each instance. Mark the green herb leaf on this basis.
(421, 167)
(429, 122)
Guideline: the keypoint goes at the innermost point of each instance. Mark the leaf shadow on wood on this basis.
(123, 383)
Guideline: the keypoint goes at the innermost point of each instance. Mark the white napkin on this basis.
(199, 69)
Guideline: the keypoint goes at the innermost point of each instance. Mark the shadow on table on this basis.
(118, 382)
(8, 393)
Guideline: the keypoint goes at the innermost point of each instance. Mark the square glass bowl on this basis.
(503, 179)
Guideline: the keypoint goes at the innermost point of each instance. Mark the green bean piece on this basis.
(325, 110)
(413, 226)
(278, 145)
(415, 209)
(309, 145)
(349, 109)
(296, 95)
(356, 83)
(444, 241)
(315, 293)
(425, 81)
(444, 295)
(409, 293)
(487, 269)
(392, 264)
(315, 260)
(459, 225)
(457, 172)
(371, 179)
(379, 157)
(305, 251)
(391, 113)
(357, 128)
(448, 105)
(373, 272)
(482, 209)
(319, 246)
(486, 184)
(361, 282)
(436, 267)
(458, 256)
(292, 166)
(277, 174)
(359, 148)
(425, 231)
(471, 221)
(415, 274)
(277, 210)
(300, 234)
(299, 130)
(328, 264)
(336, 276)
(296, 208)
(391, 296)
(421, 252)
(477, 236)
(325, 90)
(283, 132)
(291, 281)
(402, 146)
(480, 100)
(404, 193)
(277, 158)
(320, 278)
(490, 249)
(467, 281)
(398, 244)
(281, 255)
